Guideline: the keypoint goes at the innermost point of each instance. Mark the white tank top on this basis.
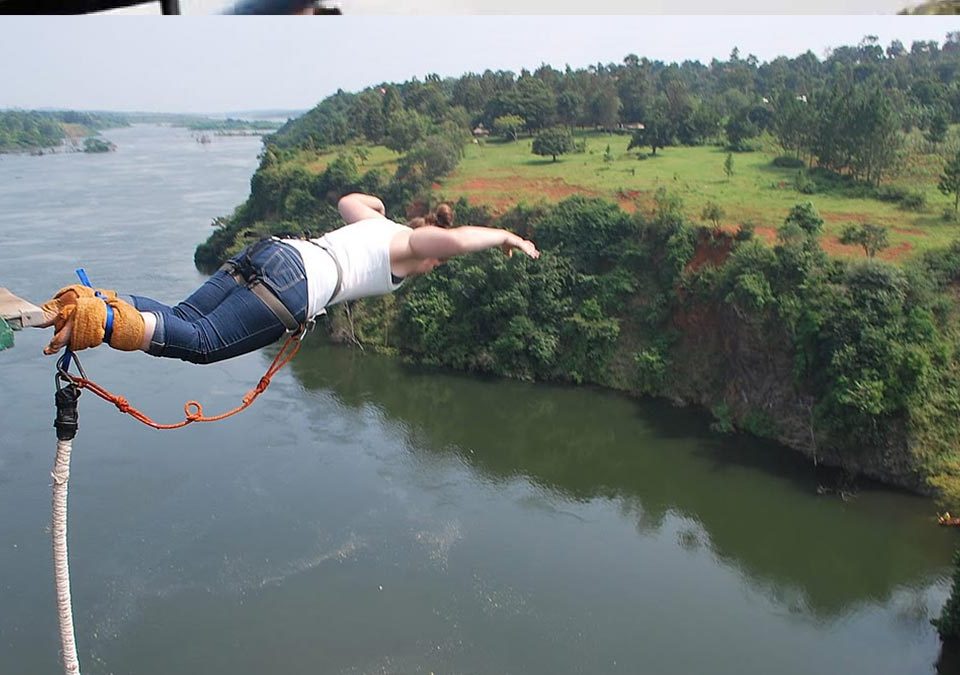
(363, 251)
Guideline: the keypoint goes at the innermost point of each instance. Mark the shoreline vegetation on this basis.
(825, 319)
(40, 132)
(936, 7)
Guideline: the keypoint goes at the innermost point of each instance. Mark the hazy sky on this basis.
(222, 64)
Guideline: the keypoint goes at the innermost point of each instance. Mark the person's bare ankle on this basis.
(149, 326)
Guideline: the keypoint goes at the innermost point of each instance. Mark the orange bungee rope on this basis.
(192, 409)
(68, 392)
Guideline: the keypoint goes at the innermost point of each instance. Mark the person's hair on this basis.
(441, 217)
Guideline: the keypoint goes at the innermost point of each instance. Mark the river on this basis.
(368, 517)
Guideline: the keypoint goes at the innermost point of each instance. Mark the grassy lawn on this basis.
(378, 157)
(502, 174)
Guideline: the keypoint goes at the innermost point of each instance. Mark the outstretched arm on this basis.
(437, 242)
(357, 206)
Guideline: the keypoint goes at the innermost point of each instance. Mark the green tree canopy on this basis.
(404, 130)
(553, 142)
(950, 180)
(658, 130)
(508, 125)
(873, 238)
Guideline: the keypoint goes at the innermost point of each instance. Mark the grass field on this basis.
(502, 174)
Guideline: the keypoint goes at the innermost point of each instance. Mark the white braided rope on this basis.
(61, 567)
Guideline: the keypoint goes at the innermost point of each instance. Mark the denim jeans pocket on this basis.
(282, 270)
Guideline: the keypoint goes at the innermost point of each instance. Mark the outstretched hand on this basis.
(58, 312)
(61, 337)
(524, 245)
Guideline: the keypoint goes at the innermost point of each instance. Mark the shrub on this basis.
(890, 193)
(651, 369)
(722, 419)
(788, 162)
(914, 201)
(804, 184)
(746, 231)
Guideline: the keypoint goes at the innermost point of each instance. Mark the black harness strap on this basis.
(244, 274)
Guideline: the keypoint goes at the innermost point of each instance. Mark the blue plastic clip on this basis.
(108, 329)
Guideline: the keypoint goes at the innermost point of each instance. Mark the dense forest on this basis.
(843, 112)
(852, 362)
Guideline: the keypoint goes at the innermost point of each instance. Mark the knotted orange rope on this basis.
(192, 409)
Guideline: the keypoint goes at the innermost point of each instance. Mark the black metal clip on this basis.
(66, 396)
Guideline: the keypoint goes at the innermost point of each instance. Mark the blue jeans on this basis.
(222, 318)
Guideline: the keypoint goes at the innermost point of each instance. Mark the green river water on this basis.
(368, 517)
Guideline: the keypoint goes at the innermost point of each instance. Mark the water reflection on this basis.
(752, 503)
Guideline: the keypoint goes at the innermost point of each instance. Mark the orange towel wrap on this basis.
(90, 318)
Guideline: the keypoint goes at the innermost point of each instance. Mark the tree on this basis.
(569, 107)
(950, 181)
(857, 131)
(714, 213)
(427, 98)
(404, 130)
(367, 113)
(896, 50)
(431, 158)
(657, 130)
(635, 88)
(468, 92)
(553, 142)
(806, 217)
(740, 128)
(873, 238)
(535, 102)
(728, 165)
(605, 107)
(874, 134)
(362, 154)
(508, 125)
(938, 124)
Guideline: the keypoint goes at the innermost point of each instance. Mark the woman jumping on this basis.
(273, 286)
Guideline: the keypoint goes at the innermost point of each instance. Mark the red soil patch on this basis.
(713, 249)
(501, 194)
(629, 200)
(767, 234)
(833, 247)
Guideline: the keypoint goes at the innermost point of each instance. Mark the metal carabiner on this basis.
(63, 369)
(305, 328)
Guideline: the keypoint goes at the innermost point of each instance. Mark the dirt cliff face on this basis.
(722, 358)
